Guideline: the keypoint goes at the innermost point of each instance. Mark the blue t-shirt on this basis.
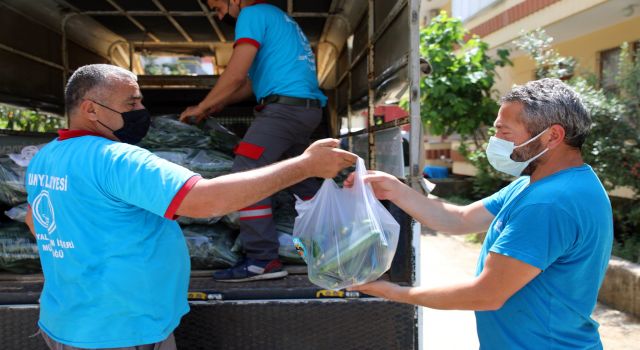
(116, 270)
(563, 225)
(284, 64)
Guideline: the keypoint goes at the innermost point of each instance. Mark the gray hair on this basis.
(93, 78)
(550, 101)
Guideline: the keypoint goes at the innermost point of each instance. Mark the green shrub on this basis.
(457, 96)
(612, 145)
(23, 119)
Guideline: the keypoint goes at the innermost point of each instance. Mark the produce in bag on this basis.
(210, 246)
(345, 235)
(18, 249)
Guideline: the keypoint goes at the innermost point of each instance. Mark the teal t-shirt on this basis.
(563, 225)
(285, 63)
(116, 270)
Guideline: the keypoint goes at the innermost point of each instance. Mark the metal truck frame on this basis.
(367, 52)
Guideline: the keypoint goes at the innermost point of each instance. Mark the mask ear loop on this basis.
(531, 139)
(111, 109)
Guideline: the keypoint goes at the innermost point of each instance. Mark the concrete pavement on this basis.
(447, 260)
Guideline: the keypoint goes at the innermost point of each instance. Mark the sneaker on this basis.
(251, 270)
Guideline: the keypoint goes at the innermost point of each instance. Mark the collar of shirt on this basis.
(65, 134)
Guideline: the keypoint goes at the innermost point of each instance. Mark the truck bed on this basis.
(289, 313)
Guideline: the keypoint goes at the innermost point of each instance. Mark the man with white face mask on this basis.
(549, 232)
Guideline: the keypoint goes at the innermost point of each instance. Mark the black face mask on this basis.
(135, 127)
(227, 18)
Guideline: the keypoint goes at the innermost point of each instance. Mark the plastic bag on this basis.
(18, 249)
(12, 187)
(18, 213)
(210, 246)
(26, 154)
(287, 250)
(345, 235)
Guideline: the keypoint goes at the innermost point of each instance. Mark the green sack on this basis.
(18, 249)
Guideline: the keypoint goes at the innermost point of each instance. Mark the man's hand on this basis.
(195, 114)
(382, 289)
(324, 159)
(385, 186)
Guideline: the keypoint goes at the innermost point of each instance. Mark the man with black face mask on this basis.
(115, 263)
(273, 60)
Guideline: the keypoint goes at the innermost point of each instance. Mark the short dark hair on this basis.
(92, 78)
(550, 101)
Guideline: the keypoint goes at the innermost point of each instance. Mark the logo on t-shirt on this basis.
(44, 214)
(43, 211)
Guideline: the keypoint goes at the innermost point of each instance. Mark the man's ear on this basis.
(556, 136)
(88, 110)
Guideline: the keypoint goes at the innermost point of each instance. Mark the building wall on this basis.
(585, 49)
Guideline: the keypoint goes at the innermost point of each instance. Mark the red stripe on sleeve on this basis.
(179, 197)
(247, 41)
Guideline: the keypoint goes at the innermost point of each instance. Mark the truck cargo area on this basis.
(366, 54)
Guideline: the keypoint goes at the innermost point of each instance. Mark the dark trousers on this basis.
(278, 132)
(167, 344)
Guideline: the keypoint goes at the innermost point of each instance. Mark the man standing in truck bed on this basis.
(273, 60)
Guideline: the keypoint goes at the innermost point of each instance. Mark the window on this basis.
(609, 65)
(177, 65)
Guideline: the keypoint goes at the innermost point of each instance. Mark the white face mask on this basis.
(499, 155)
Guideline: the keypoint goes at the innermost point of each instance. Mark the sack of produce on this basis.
(167, 132)
(207, 163)
(222, 139)
(18, 249)
(185, 220)
(210, 246)
(345, 235)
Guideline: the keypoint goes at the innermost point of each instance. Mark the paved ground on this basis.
(447, 259)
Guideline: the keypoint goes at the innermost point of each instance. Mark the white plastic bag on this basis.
(345, 235)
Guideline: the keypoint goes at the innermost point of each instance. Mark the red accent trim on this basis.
(256, 207)
(307, 198)
(65, 134)
(511, 15)
(247, 41)
(179, 197)
(273, 265)
(256, 217)
(248, 150)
